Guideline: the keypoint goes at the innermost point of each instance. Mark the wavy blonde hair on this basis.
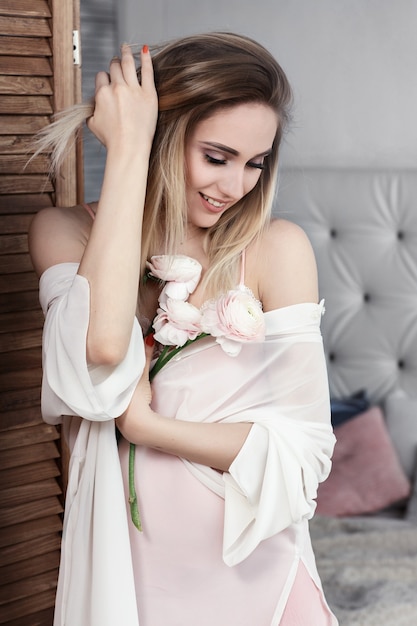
(195, 77)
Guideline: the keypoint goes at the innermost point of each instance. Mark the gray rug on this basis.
(368, 567)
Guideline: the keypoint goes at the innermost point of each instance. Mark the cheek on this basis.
(193, 175)
(252, 180)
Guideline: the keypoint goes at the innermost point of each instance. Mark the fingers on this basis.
(102, 80)
(128, 65)
(124, 69)
(147, 69)
(115, 71)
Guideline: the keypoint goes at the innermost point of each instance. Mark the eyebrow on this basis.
(219, 146)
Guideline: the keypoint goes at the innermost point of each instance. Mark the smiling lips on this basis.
(214, 205)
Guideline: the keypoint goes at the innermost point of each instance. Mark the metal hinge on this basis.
(76, 47)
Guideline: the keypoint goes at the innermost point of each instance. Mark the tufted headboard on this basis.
(363, 227)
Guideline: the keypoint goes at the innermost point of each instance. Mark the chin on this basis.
(204, 221)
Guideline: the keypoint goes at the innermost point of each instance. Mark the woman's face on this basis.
(224, 158)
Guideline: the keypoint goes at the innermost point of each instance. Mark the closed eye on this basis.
(214, 161)
(259, 166)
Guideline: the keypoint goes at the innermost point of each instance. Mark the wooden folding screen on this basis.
(37, 78)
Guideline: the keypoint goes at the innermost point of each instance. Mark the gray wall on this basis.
(98, 45)
(352, 64)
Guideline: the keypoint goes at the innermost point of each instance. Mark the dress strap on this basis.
(242, 268)
(89, 210)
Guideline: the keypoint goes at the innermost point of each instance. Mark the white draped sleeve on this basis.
(280, 386)
(273, 481)
(96, 584)
(70, 386)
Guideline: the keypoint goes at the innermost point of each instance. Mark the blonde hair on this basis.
(195, 77)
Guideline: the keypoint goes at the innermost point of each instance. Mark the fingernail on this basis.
(145, 49)
(149, 340)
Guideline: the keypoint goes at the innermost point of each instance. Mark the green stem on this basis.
(133, 500)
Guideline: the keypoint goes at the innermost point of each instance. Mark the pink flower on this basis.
(234, 318)
(176, 322)
(181, 273)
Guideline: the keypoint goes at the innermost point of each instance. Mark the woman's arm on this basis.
(124, 121)
(108, 250)
(214, 445)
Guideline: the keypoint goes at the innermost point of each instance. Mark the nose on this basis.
(232, 184)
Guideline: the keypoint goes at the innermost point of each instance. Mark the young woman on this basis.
(233, 436)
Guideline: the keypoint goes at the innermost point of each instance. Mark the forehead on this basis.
(249, 126)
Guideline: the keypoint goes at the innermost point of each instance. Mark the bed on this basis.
(363, 227)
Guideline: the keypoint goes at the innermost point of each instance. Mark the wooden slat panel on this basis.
(27, 339)
(30, 511)
(12, 361)
(16, 144)
(19, 164)
(21, 320)
(30, 492)
(30, 549)
(65, 96)
(10, 283)
(30, 567)
(33, 537)
(25, 203)
(33, 454)
(25, 27)
(23, 474)
(41, 618)
(19, 301)
(20, 340)
(28, 437)
(16, 400)
(38, 105)
(12, 263)
(19, 418)
(24, 46)
(24, 66)
(26, 8)
(13, 243)
(29, 183)
(22, 125)
(15, 224)
(25, 588)
(21, 379)
(25, 607)
(26, 85)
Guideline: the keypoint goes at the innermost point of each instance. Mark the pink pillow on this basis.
(366, 475)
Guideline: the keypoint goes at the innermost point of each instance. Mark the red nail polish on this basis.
(149, 340)
(145, 49)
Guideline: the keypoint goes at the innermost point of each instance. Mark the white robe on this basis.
(271, 484)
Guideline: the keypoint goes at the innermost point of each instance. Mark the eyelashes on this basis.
(213, 161)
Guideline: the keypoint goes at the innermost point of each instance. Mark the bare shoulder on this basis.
(58, 235)
(284, 264)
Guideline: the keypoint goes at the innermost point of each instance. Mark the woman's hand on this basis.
(134, 421)
(125, 111)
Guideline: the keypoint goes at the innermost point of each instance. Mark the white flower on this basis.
(176, 322)
(180, 272)
(234, 318)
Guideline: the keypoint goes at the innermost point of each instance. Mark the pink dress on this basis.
(194, 562)
(229, 549)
